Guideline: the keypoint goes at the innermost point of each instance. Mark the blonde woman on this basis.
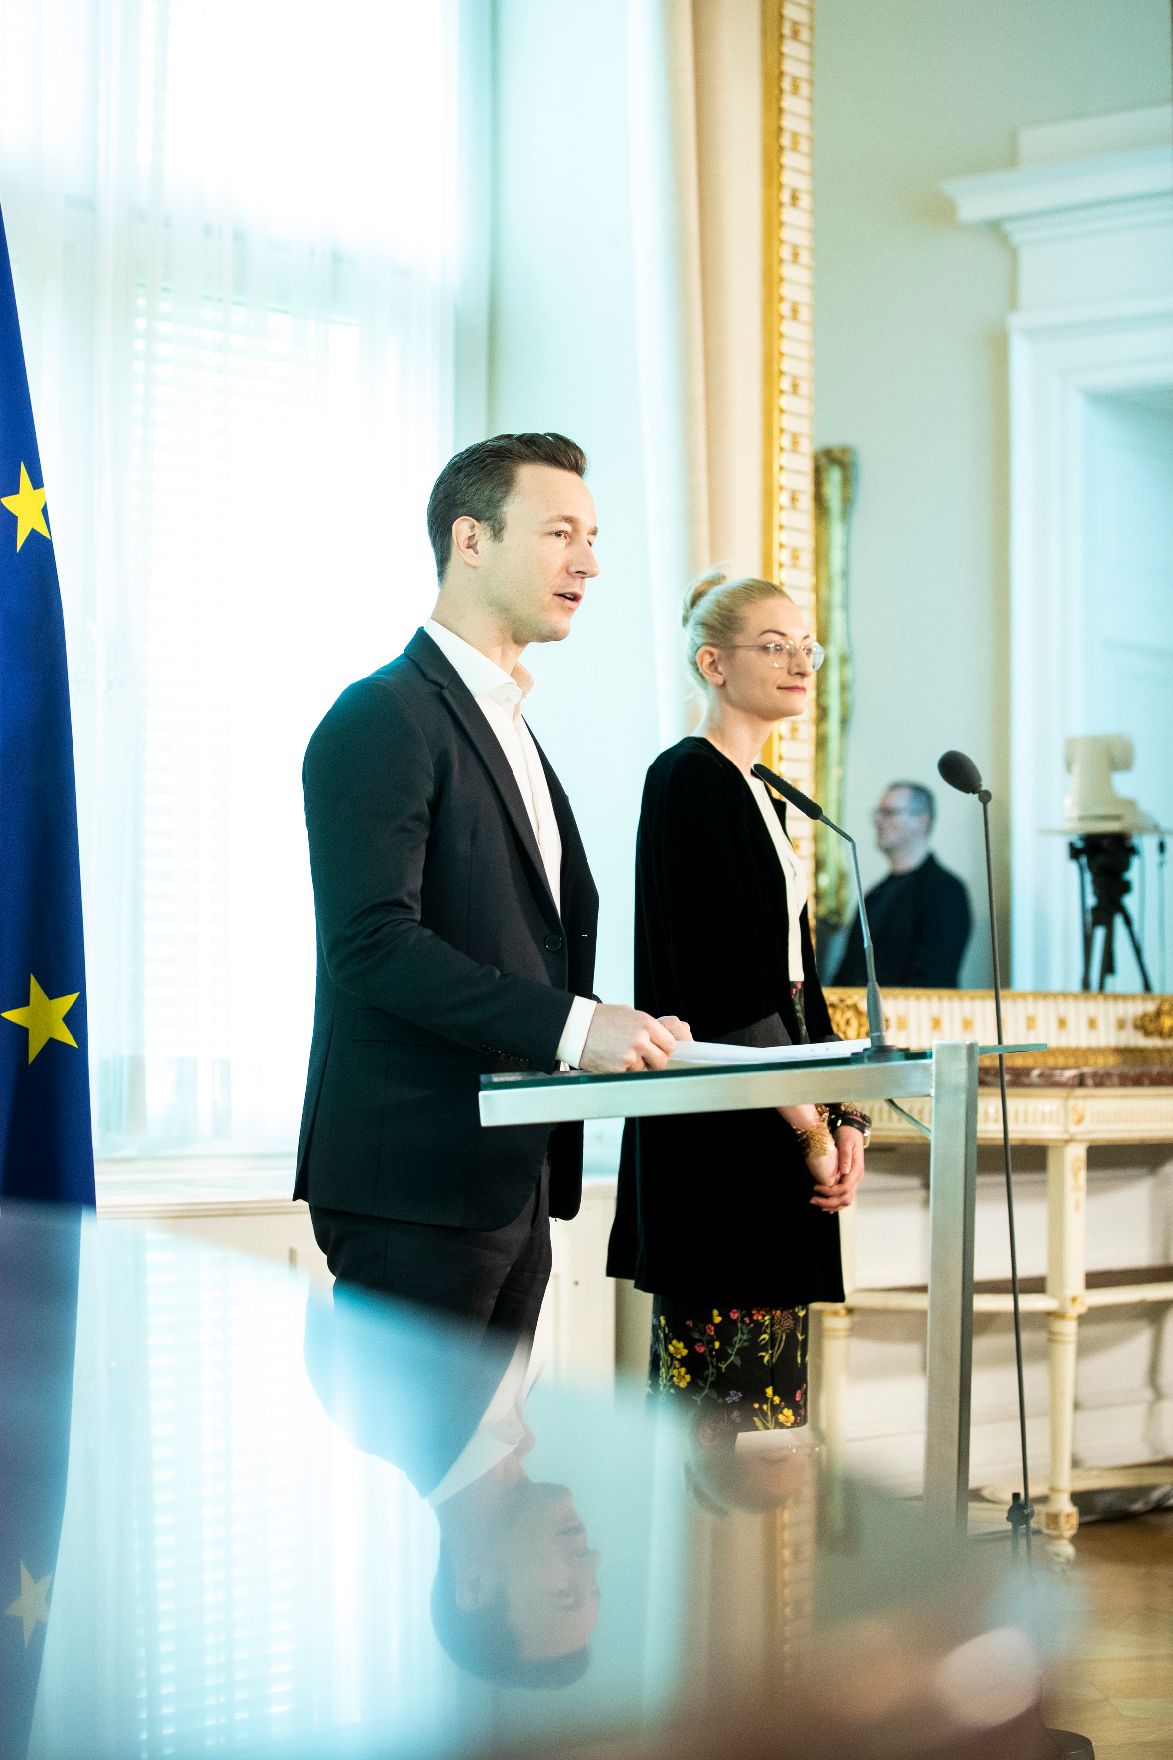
(730, 1219)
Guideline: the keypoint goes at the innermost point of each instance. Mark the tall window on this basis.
(240, 243)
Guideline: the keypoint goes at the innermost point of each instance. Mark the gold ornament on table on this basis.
(849, 1018)
(1157, 1022)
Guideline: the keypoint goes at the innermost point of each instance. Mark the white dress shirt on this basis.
(499, 696)
(500, 1433)
(791, 873)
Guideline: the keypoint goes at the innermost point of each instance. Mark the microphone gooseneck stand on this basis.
(961, 773)
(880, 1050)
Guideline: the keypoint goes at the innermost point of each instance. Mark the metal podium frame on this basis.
(947, 1074)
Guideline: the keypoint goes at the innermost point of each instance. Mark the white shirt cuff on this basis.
(574, 1033)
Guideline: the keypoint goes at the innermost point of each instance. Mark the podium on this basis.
(947, 1074)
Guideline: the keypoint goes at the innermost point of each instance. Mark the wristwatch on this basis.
(857, 1119)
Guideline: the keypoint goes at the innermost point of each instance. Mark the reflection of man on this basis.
(919, 914)
(456, 916)
(515, 1598)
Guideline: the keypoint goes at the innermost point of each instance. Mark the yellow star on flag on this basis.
(31, 1606)
(28, 505)
(44, 1018)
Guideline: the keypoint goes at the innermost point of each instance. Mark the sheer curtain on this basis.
(247, 269)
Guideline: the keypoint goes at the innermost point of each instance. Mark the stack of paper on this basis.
(709, 1051)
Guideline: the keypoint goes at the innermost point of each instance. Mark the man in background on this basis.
(456, 917)
(919, 914)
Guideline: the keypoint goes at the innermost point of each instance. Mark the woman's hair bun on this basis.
(696, 590)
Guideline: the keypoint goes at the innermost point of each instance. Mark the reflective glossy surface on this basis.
(306, 1527)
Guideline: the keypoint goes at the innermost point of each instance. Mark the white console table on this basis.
(1067, 1122)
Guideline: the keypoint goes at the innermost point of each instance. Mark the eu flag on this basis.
(46, 1150)
(40, 1258)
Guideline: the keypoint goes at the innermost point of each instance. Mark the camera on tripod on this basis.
(1106, 825)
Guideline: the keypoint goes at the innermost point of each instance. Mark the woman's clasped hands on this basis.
(834, 1158)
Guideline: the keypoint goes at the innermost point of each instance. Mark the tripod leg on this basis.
(1107, 955)
(1132, 936)
(1086, 923)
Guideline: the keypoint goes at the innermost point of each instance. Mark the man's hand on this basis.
(838, 1195)
(625, 1038)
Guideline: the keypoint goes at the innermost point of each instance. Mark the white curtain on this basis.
(246, 274)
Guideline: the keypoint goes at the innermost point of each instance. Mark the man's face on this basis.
(549, 1574)
(534, 577)
(897, 822)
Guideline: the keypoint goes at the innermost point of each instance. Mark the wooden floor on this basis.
(1118, 1687)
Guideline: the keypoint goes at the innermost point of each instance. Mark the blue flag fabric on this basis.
(46, 1150)
(40, 1257)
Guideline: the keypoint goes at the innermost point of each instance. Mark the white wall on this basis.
(565, 354)
(563, 341)
(910, 354)
(625, 310)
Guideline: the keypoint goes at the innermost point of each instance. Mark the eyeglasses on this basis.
(786, 653)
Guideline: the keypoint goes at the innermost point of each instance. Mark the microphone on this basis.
(879, 1046)
(961, 773)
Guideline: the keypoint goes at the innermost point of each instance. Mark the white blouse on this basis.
(791, 873)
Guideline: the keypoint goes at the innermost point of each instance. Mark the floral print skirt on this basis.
(741, 1368)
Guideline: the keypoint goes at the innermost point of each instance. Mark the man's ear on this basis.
(466, 540)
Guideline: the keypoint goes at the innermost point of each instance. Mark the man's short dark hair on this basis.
(479, 481)
(482, 1643)
(922, 798)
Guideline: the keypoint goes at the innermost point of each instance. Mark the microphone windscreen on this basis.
(788, 792)
(959, 772)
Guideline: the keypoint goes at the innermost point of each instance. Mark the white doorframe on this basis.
(1088, 210)
(1056, 363)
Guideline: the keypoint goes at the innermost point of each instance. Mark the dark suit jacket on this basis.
(920, 925)
(717, 1206)
(440, 956)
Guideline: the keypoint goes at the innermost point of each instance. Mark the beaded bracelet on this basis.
(816, 1142)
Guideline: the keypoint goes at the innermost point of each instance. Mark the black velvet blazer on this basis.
(718, 1206)
(441, 956)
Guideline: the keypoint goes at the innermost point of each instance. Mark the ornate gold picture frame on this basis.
(788, 259)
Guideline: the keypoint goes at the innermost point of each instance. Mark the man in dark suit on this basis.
(919, 914)
(456, 916)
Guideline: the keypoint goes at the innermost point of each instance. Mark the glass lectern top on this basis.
(708, 1071)
(239, 1515)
